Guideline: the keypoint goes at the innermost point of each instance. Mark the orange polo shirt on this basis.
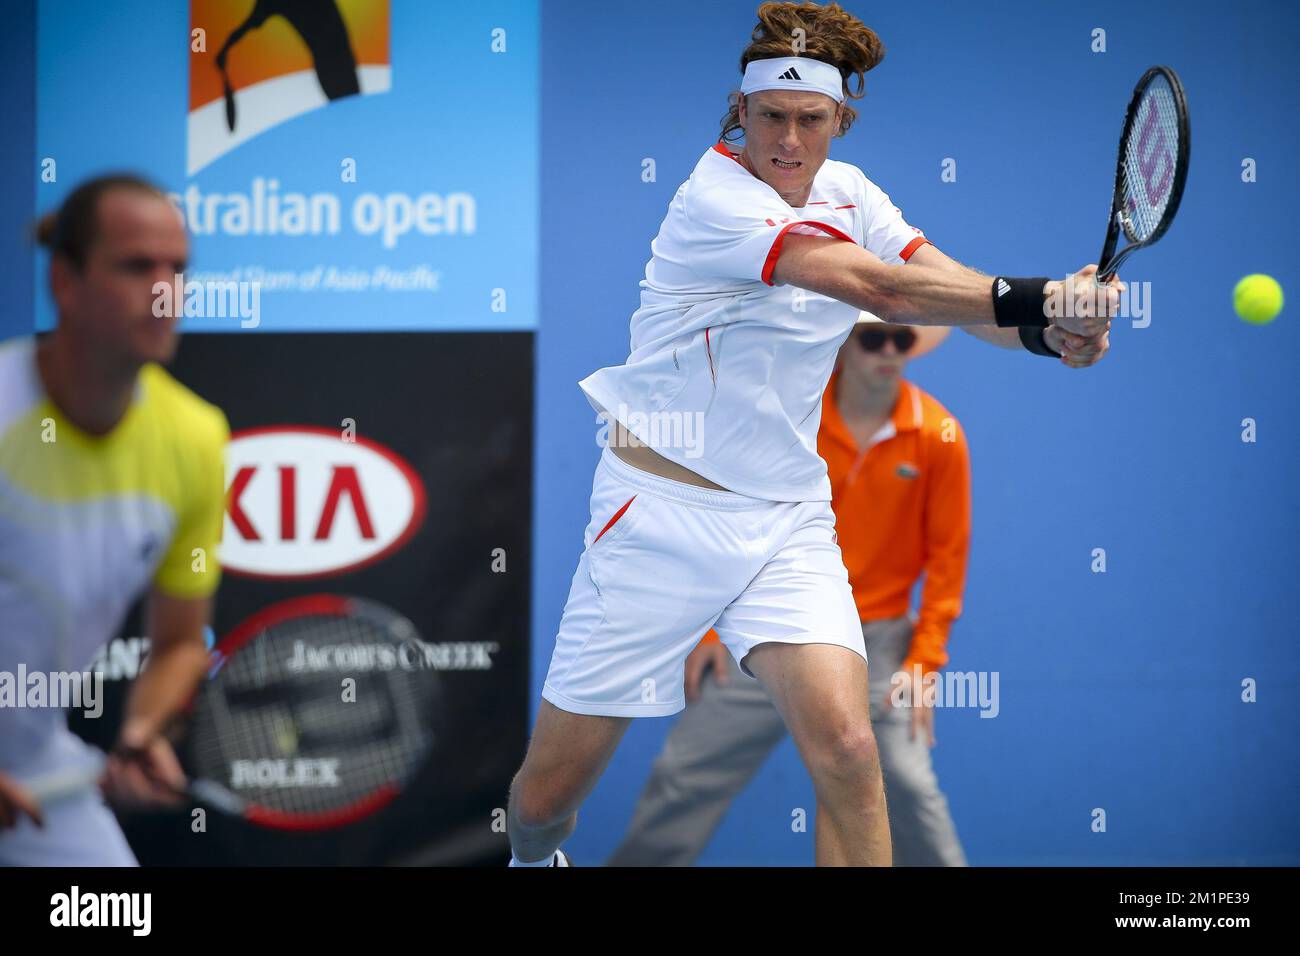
(902, 509)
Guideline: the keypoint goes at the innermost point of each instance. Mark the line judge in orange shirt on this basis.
(900, 480)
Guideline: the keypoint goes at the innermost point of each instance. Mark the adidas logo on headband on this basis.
(800, 73)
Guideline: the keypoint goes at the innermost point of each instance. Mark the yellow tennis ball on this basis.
(1257, 298)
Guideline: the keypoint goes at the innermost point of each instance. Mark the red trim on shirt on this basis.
(849, 206)
(708, 350)
(614, 520)
(911, 247)
(775, 252)
(721, 147)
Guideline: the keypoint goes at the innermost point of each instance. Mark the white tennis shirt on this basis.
(727, 370)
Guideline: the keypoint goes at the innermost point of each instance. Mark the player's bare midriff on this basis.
(631, 450)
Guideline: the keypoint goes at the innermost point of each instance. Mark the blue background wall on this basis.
(17, 166)
(1118, 690)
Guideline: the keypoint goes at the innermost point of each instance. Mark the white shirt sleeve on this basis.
(736, 235)
(888, 235)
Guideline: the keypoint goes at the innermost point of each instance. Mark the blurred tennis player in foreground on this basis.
(757, 275)
(112, 485)
(900, 487)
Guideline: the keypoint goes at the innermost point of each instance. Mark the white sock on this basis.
(552, 860)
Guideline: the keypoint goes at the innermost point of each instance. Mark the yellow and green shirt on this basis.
(88, 524)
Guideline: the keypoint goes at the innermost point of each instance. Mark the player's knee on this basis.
(845, 753)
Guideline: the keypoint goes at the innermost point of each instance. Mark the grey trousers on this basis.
(721, 740)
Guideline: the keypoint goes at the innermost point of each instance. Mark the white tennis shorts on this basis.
(664, 562)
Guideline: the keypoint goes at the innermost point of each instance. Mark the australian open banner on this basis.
(341, 165)
(358, 181)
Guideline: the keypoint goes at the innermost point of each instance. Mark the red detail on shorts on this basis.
(708, 350)
(911, 247)
(614, 520)
(775, 252)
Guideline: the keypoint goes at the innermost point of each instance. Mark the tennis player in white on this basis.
(711, 506)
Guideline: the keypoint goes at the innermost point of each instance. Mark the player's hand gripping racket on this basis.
(317, 712)
(1154, 151)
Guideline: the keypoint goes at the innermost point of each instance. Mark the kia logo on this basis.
(302, 502)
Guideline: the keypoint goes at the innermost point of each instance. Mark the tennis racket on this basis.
(1154, 151)
(317, 713)
(66, 781)
(39, 633)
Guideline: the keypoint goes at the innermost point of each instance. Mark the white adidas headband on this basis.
(793, 73)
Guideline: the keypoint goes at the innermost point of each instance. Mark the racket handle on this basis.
(200, 791)
(216, 796)
(1104, 272)
(67, 782)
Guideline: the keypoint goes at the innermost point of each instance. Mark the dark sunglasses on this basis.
(873, 340)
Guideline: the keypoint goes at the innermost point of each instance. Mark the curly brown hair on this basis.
(828, 33)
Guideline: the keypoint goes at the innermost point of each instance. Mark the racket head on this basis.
(1151, 170)
(277, 737)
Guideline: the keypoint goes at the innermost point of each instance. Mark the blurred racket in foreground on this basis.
(1154, 152)
(66, 781)
(316, 714)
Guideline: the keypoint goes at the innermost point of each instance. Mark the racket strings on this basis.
(1150, 161)
(286, 736)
